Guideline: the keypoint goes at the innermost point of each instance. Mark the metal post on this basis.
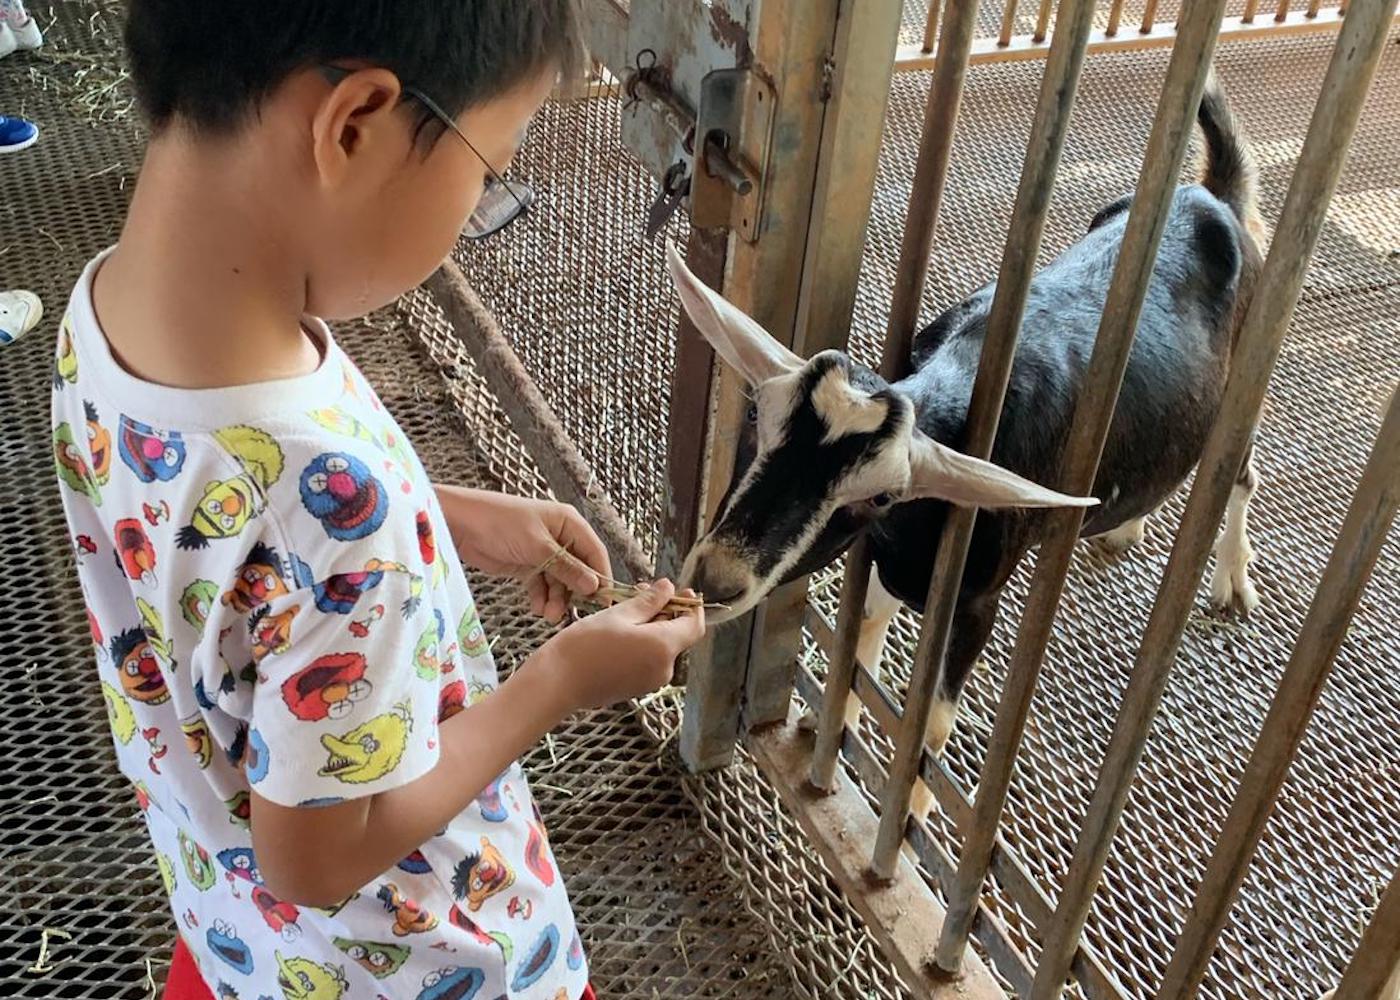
(1115, 17)
(935, 152)
(1149, 16)
(1042, 20)
(1166, 148)
(1374, 972)
(1355, 58)
(931, 26)
(1058, 88)
(1008, 23)
(1358, 547)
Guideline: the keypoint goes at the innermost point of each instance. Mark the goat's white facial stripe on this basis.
(844, 410)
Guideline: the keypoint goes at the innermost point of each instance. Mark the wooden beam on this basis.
(605, 34)
(901, 913)
(912, 58)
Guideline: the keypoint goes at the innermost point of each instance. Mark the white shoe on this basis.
(8, 42)
(20, 312)
(28, 35)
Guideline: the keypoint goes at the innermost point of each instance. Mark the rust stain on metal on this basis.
(732, 34)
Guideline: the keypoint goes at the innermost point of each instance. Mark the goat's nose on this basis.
(717, 578)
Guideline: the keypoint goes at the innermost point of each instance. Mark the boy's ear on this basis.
(354, 114)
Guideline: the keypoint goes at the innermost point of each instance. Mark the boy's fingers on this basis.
(557, 603)
(649, 602)
(578, 536)
(576, 575)
(538, 590)
(684, 630)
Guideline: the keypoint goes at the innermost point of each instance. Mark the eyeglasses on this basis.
(502, 201)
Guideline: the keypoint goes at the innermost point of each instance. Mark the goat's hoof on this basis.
(1234, 593)
(809, 722)
(1124, 537)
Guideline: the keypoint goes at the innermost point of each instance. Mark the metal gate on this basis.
(770, 115)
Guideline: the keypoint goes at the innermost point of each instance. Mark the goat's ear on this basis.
(744, 345)
(940, 472)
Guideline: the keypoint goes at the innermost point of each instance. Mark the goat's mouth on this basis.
(722, 576)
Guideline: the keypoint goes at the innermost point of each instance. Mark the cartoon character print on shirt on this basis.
(409, 917)
(198, 740)
(428, 654)
(280, 917)
(369, 751)
(538, 960)
(328, 689)
(224, 942)
(119, 714)
(239, 864)
(136, 665)
(73, 468)
(471, 636)
(167, 873)
(462, 922)
(197, 601)
(454, 983)
(489, 802)
(198, 866)
(537, 855)
(271, 633)
(451, 700)
(337, 421)
(427, 543)
(480, 876)
(339, 594)
(340, 491)
(135, 555)
(259, 580)
(226, 506)
(99, 445)
(380, 960)
(152, 456)
(574, 957)
(240, 810)
(66, 361)
(257, 761)
(154, 627)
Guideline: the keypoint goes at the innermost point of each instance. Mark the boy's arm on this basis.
(319, 856)
(546, 545)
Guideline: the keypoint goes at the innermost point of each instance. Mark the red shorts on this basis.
(184, 982)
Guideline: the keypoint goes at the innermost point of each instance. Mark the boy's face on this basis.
(384, 213)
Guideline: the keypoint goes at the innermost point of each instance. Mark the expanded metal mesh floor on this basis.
(661, 916)
(588, 298)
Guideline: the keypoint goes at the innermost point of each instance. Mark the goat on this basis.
(832, 451)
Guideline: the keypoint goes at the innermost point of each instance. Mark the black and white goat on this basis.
(832, 450)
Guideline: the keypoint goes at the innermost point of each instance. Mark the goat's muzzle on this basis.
(722, 574)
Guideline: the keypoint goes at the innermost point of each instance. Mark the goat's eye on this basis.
(881, 501)
(751, 415)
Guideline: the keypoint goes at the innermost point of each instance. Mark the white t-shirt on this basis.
(269, 580)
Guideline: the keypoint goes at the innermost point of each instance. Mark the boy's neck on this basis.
(207, 287)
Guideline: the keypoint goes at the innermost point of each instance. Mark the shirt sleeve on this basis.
(344, 705)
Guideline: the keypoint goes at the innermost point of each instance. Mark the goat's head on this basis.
(831, 447)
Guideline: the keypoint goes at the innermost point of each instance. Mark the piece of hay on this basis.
(39, 967)
(611, 592)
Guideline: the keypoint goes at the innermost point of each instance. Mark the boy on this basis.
(296, 676)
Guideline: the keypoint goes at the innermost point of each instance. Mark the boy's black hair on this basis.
(210, 63)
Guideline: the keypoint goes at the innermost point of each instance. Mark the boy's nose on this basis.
(341, 485)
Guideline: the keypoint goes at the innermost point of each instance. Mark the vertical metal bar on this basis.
(1056, 100)
(1251, 7)
(1149, 16)
(1374, 972)
(930, 175)
(1281, 13)
(1358, 547)
(862, 69)
(1156, 188)
(931, 26)
(1008, 23)
(1349, 75)
(1313, 7)
(1115, 17)
(1042, 20)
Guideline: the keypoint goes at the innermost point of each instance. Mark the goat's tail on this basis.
(1229, 172)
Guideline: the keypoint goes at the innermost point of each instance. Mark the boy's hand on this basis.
(514, 536)
(618, 654)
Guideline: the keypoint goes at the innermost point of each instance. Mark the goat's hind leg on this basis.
(1230, 585)
(880, 609)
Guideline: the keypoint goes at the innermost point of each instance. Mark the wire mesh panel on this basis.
(1333, 840)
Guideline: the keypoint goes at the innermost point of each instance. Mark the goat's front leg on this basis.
(972, 627)
(1230, 585)
(879, 611)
